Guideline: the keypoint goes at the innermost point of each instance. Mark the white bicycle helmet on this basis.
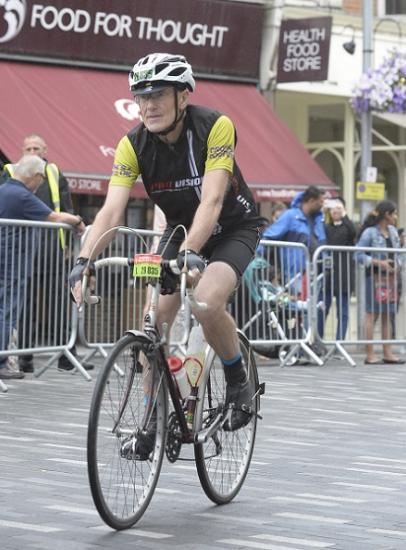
(158, 70)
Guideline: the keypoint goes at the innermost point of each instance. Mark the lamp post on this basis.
(366, 117)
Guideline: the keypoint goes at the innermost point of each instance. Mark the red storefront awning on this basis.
(83, 113)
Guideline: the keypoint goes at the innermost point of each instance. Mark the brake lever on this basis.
(87, 295)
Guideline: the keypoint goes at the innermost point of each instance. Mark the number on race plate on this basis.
(147, 265)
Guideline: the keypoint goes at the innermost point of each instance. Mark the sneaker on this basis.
(65, 365)
(11, 372)
(238, 399)
(26, 364)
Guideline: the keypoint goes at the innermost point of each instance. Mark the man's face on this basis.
(158, 108)
(315, 205)
(34, 182)
(34, 146)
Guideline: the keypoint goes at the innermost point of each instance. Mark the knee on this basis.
(213, 308)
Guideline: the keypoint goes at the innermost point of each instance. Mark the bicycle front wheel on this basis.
(223, 461)
(130, 398)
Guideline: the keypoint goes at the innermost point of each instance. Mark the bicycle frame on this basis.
(152, 334)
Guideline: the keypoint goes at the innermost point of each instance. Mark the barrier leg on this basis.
(310, 353)
(77, 364)
(346, 355)
(54, 358)
(289, 355)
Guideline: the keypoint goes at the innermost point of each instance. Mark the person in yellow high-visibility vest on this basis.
(54, 193)
(55, 190)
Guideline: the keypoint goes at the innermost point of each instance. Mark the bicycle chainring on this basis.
(173, 438)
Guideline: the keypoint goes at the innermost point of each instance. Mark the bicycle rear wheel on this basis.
(223, 461)
(129, 398)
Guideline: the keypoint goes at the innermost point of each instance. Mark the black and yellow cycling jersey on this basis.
(173, 173)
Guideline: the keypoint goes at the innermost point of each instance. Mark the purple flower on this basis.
(383, 88)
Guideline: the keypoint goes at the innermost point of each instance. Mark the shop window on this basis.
(332, 167)
(394, 7)
(326, 123)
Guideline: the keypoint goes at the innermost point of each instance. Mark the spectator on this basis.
(17, 201)
(337, 282)
(379, 231)
(56, 195)
(301, 223)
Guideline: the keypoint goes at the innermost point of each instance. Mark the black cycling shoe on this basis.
(239, 401)
(144, 445)
(144, 442)
(140, 446)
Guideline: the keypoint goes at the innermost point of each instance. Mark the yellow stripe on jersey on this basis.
(220, 145)
(125, 168)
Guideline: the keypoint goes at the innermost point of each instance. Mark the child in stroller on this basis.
(269, 312)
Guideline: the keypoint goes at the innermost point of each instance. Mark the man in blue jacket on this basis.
(302, 223)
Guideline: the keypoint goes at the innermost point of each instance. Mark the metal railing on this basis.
(363, 304)
(36, 314)
(285, 302)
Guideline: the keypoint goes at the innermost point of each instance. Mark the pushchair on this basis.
(271, 314)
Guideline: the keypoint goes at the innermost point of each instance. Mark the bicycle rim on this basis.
(122, 487)
(222, 474)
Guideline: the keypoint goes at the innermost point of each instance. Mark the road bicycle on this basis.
(132, 394)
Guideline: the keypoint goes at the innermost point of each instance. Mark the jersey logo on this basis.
(221, 151)
(175, 185)
(121, 170)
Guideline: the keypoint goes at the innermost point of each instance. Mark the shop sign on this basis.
(370, 191)
(304, 49)
(216, 36)
(87, 185)
(97, 185)
(286, 195)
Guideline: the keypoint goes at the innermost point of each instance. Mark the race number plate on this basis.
(147, 265)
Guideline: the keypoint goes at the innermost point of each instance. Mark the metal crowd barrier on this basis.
(273, 300)
(285, 304)
(35, 309)
(271, 308)
(362, 304)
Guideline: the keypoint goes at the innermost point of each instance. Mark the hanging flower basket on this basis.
(382, 89)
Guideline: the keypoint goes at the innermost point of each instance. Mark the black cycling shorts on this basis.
(233, 247)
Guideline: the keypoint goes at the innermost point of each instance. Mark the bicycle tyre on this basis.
(122, 487)
(222, 475)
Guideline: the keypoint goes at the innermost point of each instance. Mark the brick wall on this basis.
(355, 6)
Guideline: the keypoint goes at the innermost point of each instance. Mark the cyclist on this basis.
(185, 156)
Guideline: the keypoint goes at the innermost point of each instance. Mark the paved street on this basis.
(329, 470)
